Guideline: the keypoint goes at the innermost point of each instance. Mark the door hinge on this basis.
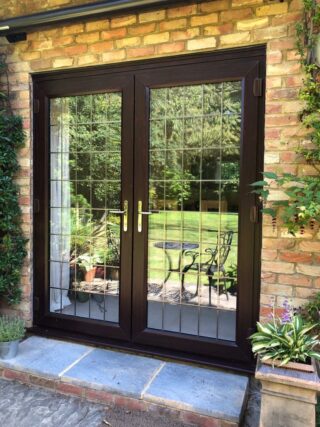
(258, 87)
(36, 205)
(36, 106)
(36, 303)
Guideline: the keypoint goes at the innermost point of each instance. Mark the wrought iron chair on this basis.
(214, 264)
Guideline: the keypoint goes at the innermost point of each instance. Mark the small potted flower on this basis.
(286, 350)
(89, 263)
(12, 330)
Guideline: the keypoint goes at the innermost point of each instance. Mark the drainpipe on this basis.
(16, 29)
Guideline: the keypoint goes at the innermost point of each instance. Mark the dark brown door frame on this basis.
(228, 69)
(43, 91)
(250, 64)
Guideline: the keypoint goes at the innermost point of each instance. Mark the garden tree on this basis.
(194, 135)
(12, 241)
(93, 129)
(89, 130)
(188, 124)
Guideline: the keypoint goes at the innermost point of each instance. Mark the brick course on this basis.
(202, 26)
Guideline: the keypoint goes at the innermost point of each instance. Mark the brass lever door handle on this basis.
(139, 216)
(140, 213)
(124, 213)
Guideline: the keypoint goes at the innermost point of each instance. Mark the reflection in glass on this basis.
(195, 134)
(85, 174)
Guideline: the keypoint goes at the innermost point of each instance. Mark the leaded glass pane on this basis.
(194, 155)
(85, 174)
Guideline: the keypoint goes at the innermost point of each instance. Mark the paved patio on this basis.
(71, 367)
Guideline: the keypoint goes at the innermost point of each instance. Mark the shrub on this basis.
(11, 328)
(12, 241)
(311, 311)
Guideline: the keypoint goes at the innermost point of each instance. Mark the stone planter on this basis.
(9, 350)
(288, 395)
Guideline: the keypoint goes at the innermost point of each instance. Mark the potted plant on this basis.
(89, 263)
(286, 350)
(12, 330)
(109, 263)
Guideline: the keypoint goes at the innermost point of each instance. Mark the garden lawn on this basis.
(201, 228)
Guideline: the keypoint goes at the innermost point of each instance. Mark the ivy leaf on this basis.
(270, 175)
(259, 184)
(269, 211)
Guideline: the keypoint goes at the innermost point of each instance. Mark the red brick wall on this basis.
(290, 266)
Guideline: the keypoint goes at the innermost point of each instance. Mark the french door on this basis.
(146, 232)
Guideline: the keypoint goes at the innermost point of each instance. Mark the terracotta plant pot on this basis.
(90, 275)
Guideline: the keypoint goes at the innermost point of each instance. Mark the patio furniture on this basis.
(215, 264)
(182, 247)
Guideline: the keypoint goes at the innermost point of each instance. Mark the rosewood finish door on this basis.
(83, 193)
(195, 234)
(146, 230)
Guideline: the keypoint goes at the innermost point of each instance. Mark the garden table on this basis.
(178, 246)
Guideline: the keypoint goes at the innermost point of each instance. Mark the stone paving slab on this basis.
(114, 371)
(45, 357)
(205, 392)
(210, 392)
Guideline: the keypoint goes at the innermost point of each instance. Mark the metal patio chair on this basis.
(214, 265)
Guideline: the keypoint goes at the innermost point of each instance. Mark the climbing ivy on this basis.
(12, 241)
(300, 206)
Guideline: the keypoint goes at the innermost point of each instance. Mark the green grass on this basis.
(191, 227)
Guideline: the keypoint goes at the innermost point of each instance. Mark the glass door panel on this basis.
(194, 155)
(85, 202)
(142, 227)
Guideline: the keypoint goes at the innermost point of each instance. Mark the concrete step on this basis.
(195, 395)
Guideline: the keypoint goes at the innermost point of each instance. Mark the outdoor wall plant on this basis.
(12, 241)
(299, 207)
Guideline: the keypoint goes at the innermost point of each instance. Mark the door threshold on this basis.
(164, 354)
(202, 398)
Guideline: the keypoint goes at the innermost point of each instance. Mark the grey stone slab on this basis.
(45, 356)
(209, 392)
(113, 371)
